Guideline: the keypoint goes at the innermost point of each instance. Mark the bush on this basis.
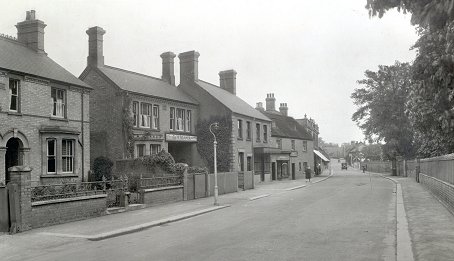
(102, 166)
(161, 162)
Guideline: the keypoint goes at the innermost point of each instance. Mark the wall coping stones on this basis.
(163, 188)
(63, 200)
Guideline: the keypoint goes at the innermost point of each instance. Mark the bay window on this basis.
(51, 156)
(188, 120)
(145, 115)
(155, 124)
(172, 118)
(67, 156)
(180, 120)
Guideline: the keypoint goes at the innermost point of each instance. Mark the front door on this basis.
(293, 171)
(273, 171)
(12, 155)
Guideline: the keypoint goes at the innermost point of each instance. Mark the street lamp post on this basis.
(215, 143)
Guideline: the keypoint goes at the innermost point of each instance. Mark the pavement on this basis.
(114, 225)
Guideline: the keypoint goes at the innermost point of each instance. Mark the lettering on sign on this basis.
(147, 136)
(180, 137)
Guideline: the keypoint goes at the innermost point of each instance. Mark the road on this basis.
(342, 218)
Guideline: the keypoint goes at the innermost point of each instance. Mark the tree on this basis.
(382, 112)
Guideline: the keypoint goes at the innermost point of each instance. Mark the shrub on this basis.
(160, 162)
(102, 166)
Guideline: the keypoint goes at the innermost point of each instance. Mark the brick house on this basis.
(293, 151)
(320, 156)
(162, 115)
(250, 128)
(44, 110)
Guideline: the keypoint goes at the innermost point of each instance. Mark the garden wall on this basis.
(158, 196)
(58, 211)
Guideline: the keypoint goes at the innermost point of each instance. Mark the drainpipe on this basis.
(82, 128)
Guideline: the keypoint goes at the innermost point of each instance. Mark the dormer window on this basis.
(14, 86)
(58, 101)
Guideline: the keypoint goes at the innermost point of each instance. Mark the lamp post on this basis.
(215, 143)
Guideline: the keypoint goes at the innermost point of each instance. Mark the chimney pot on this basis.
(168, 73)
(227, 81)
(270, 102)
(283, 109)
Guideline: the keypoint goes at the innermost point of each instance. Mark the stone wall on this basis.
(159, 196)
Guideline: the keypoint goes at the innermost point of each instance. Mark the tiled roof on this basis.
(287, 127)
(231, 101)
(144, 84)
(17, 57)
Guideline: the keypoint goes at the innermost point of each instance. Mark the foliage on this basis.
(425, 13)
(160, 161)
(205, 142)
(372, 152)
(128, 122)
(197, 170)
(381, 113)
(102, 166)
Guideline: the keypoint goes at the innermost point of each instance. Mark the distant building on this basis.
(293, 145)
(133, 114)
(321, 157)
(250, 128)
(44, 110)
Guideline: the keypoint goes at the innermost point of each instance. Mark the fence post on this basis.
(185, 182)
(394, 166)
(22, 204)
(405, 168)
(418, 169)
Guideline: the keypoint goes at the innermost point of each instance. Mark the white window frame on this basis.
(172, 118)
(265, 133)
(293, 144)
(67, 157)
(145, 115)
(135, 113)
(141, 145)
(304, 146)
(50, 156)
(155, 151)
(240, 129)
(16, 96)
(248, 130)
(257, 132)
(180, 119)
(58, 105)
(188, 120)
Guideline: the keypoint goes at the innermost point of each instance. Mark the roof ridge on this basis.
(209, 83)
(9, 37)
(128, 71)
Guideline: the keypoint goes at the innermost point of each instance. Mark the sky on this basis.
(308, 53)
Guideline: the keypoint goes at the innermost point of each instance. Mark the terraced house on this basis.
(44, 110)
(134, 114)
(293, 145)
(250, 128)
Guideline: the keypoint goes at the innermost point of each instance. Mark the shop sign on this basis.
(282, 158)
(148, 136)
(180, 137)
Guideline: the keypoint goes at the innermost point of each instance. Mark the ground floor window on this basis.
(60, 155)
(249, 163)
(155, 148)
(51, 156)
(67, 155)
(140, 150)
(241, 161)
(299, 166)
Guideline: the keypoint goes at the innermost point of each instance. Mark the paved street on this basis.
(341, 218)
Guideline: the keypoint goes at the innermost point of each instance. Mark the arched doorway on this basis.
(12, 156)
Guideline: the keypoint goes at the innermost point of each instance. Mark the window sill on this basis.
(239, 138)
(54, 118)
(248, 139)
(14, 113)
(65, 175)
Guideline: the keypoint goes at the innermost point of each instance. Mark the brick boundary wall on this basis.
(58, 211)
(159, 196)
(442, 190)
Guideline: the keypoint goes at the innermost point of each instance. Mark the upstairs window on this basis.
(279, 143)
(304, 145)
(293, 144)
(257, 132)
(67, 155)
(240, 129)
(58, 100)
(248, 130)
(145, 115)
(188, 120)
(172, 118)
(135, 113)
(155, 124)
(14, 95)
(249, 163)
(140, 150)
(265, 133)
(180, 119)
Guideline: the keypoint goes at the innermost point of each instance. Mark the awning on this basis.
(318, 153)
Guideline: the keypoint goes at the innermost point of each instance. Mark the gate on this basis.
(4, 210)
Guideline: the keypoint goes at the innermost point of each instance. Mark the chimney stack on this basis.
(283, 109)
(227, 81)
(31, 32)
(260, 106)
(168, 73)
(270, 102)
(189, 66)
(95, 46)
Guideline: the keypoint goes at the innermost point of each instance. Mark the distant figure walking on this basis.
(308, 174)
(364, 168)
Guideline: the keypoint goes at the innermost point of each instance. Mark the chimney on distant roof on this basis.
(260, 106)
(227, 81)
(168, 73)
(270, 102)
(31, 32)
(283, 109)
(189, 66)
(95, 46)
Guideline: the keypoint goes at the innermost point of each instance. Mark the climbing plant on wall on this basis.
(128, 122)
(205, 142)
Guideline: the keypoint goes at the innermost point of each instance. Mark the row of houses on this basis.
(57, 123)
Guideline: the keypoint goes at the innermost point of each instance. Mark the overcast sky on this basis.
(308, 53)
